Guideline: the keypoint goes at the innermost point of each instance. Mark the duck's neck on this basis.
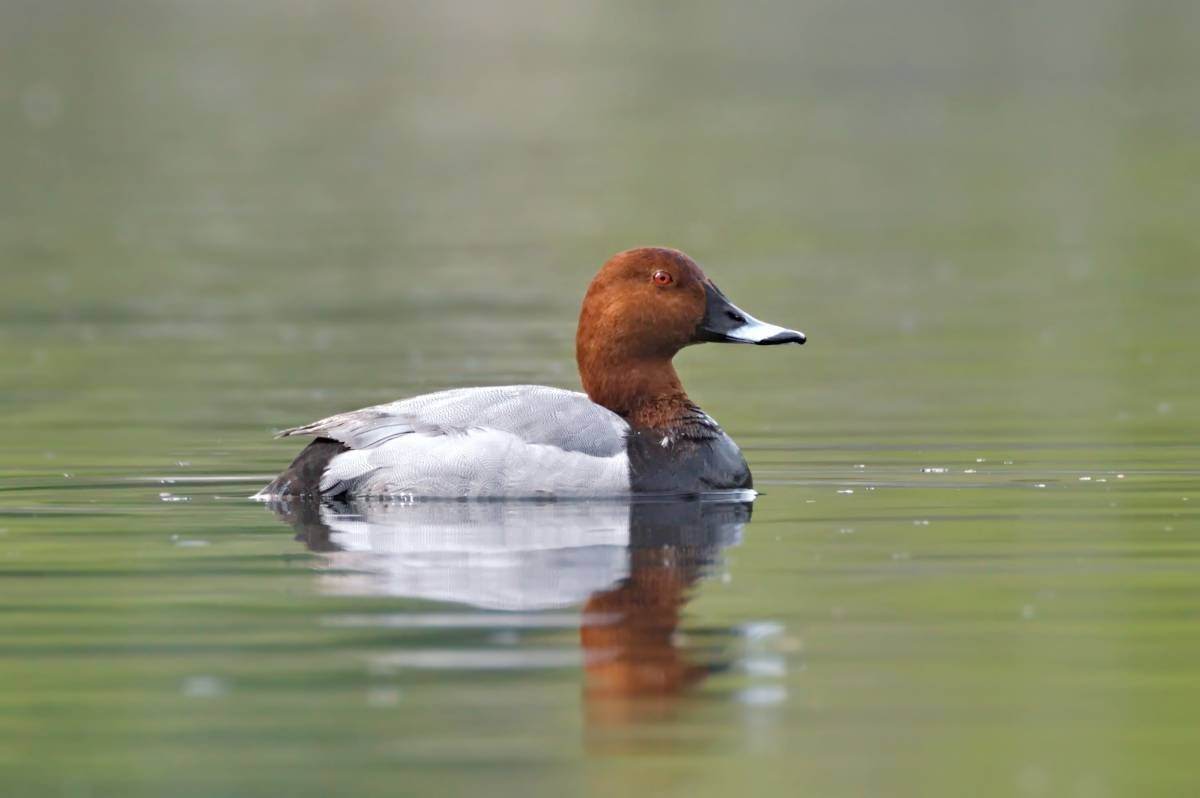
(646, 392)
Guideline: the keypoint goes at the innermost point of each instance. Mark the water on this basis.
(973, 567)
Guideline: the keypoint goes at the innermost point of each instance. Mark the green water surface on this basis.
(974, 566)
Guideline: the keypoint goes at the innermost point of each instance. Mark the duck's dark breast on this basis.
(685, 465)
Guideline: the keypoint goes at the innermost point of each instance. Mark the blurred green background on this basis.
(219, 219)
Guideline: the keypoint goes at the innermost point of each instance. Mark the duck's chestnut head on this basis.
(653, 301)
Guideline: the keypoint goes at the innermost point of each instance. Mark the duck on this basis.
(633, 430)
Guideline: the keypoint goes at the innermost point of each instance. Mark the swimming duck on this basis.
(633, 431)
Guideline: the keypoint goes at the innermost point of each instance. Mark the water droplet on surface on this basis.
(204, 687)
(770, 667)
(761, 630)
(762, 696)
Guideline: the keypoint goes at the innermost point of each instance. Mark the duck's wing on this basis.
(523, 440)
(535, 414)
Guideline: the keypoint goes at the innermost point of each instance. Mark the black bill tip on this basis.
(785, 337)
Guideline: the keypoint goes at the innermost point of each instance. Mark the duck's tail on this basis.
(303, 476)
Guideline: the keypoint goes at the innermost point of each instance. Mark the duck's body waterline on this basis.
(635, 431)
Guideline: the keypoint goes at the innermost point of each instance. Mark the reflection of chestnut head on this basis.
(632, 662)
(627, 632)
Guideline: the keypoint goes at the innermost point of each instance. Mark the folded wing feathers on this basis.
(534, 413)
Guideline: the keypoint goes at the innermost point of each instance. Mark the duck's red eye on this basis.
(662, 277)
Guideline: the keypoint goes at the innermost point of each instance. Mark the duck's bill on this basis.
(724, 322)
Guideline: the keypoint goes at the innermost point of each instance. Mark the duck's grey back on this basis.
(533, 413)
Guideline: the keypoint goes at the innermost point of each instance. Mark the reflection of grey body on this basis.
(504, 555)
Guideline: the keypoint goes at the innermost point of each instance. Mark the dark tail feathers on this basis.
(303, 476)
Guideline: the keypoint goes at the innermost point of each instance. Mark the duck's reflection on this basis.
(632, 565)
